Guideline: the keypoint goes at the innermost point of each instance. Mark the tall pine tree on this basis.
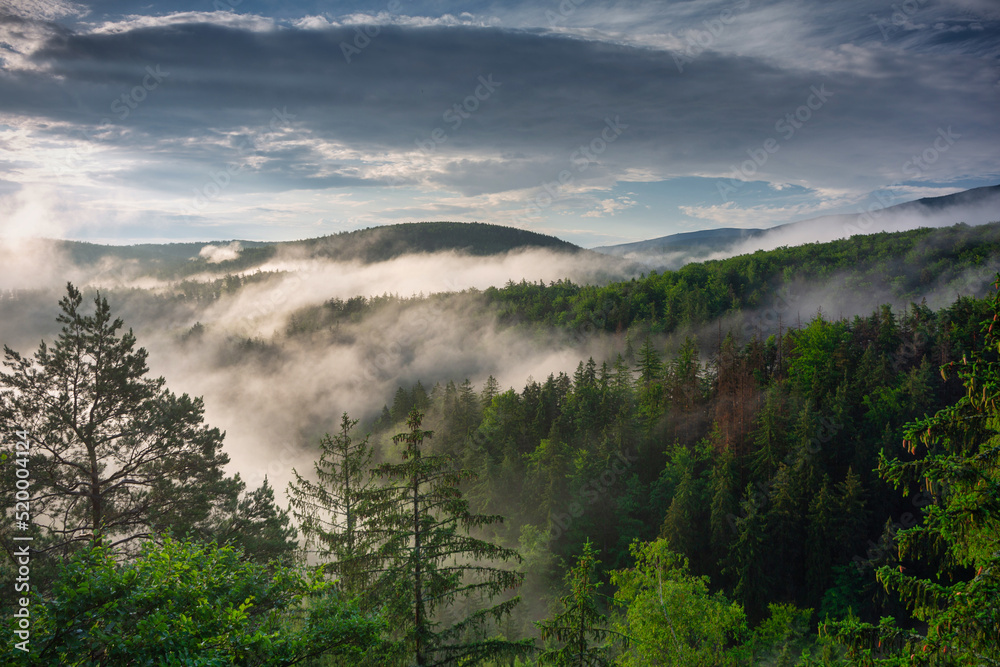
(957, 465)
(580, 627)
(435, 570)
(333, 510)
(116, 457)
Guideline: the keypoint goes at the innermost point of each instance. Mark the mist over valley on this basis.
(499, 334)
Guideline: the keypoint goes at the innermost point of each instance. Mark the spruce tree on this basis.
(770, 441)
(333, 510)
(467, 408)
(955, 462)
(689, 512)
(580, 627)
(683, 381)
(724, 505)
(748, 562)
(435, 571)
(649, 365)
(491, 389)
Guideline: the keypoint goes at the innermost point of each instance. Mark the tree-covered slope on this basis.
(373, 244)
(965, 206)
(861, 273)
(902, 266)
(762, 467)
(377, 244)
(724, 493)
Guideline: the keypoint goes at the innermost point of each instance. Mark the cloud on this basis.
(215, 254)
(763, 216)
(406, 108)
(398, 90)
(44, 10)
(275, 396)
(608, 207)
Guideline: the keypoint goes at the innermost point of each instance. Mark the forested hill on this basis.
(974, 206)
(885, 267)
(840, 476)
(848, 276)
(374, 244)
(377, 244)
(714, 498)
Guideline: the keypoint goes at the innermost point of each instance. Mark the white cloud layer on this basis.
(515, 113)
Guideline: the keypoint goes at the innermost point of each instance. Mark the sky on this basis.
(600, 122)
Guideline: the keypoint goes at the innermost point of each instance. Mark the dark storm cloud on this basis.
(119, 113)
(540, 97)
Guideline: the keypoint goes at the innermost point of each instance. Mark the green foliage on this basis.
(754, 458)
(671, 616)
(255, 525)
(180, 603)
(117, 457)
(435, 570)
(333, 510)
(580, 626)
(649, 365)
(767, 484)
(748, 559)
(690, 508)
(378, 244)
(782, 635)
(699, 293)
(958, 602)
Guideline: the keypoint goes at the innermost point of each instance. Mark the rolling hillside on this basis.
(374, 244)
(970, 206)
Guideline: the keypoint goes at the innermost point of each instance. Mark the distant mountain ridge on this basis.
(475, 238)
(891, 218)
(373, 244)
(684, 240)
(376, 244)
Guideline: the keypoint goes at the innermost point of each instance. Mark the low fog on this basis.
(876, 219)
(275, 392)
(822, 230)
